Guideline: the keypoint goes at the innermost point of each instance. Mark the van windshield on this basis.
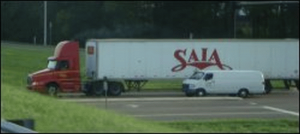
(51, 64)
(197, 75)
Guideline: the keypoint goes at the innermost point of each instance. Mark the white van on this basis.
(232, 82)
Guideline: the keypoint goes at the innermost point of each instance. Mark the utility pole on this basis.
(45, 23)
(105, 87)
(234, 25)
(191, 35)
(50, 28)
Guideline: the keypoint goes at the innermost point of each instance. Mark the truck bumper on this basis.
(186, 89)
(40, 89)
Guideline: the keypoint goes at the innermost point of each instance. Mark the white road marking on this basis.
(281, 110)
(152, 99)
(252, 103)
(133, 105)
(204, 114)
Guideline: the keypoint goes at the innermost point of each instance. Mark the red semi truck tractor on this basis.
(63, 74)
(114, 64)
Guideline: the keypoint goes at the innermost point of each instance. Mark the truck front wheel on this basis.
(52, 89)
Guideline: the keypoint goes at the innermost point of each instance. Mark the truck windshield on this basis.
(51, 64)
(197, 75)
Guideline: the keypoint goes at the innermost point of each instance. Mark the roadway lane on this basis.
(278, 104)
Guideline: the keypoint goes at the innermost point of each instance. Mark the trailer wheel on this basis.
(52, 89)
(200, 92)
(297, 84)
(243, 93)
(115, 88)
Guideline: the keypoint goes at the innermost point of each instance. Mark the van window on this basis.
(208, 76)
(197, 75)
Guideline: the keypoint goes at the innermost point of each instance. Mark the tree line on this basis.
(81, 20)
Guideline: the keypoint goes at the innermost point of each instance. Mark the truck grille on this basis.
(29, 80)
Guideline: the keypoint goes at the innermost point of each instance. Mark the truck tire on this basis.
(97, 87)
(297, 84)
(243, 93)
(115, 88)
(52, 89)
(88, 91)
(200, 92)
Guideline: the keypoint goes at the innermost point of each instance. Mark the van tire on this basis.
(200, 92)
(243, 93)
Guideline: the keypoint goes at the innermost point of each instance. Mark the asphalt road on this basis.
(171, 106)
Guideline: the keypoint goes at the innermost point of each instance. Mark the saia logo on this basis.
(193, 60)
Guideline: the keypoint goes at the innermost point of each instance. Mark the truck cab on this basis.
(62, 73)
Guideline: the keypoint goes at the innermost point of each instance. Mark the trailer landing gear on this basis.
(135, 84)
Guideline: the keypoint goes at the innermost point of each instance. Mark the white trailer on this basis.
(139, 60)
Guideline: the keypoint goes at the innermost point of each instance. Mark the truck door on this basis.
(209, 83)
(66, 76)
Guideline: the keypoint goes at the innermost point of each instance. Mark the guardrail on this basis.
(9, 127)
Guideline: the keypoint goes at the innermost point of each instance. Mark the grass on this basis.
(238, 126)
(52, 115)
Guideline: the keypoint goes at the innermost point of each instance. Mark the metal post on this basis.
(105, 87)
(34, 39)
(45, 23)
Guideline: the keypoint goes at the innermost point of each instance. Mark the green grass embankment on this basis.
(52, 115)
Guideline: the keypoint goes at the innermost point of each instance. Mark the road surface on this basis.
(173, 106)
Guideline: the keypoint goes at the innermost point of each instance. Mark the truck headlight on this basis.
(29, 80)
(35, 83)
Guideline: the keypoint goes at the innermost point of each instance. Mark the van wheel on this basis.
(243, 93)
(200, 92)
(52, 89)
